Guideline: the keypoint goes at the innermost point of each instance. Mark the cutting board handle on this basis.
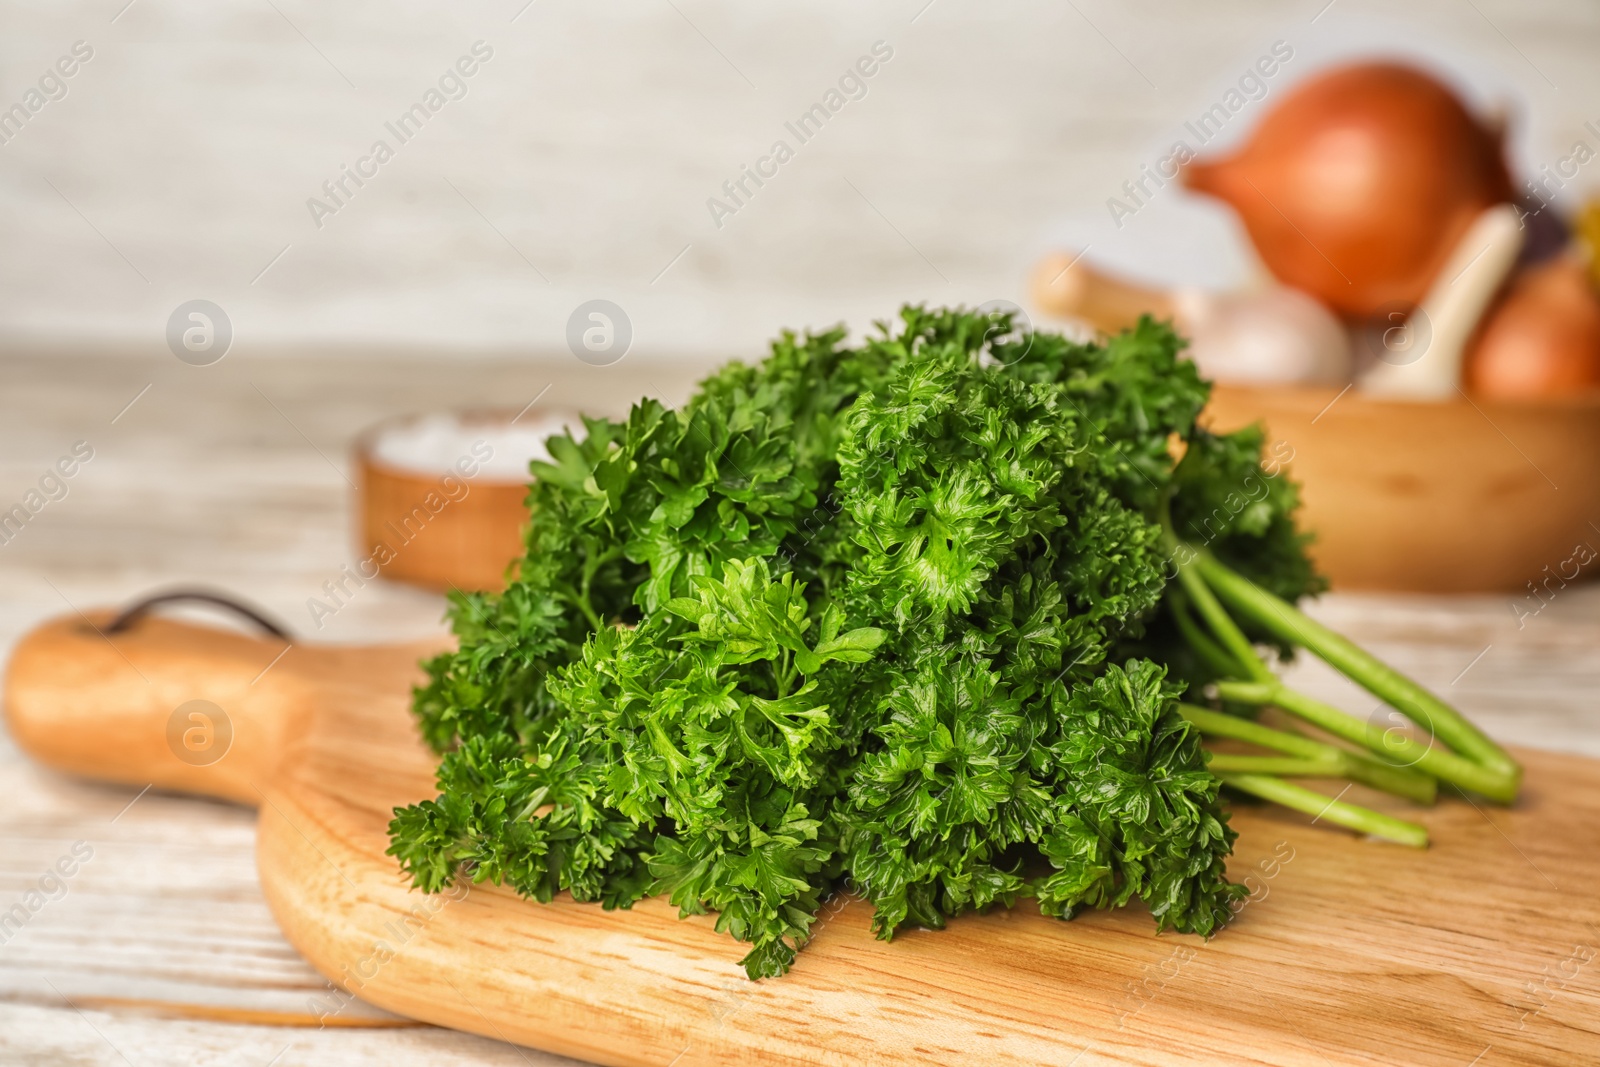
(163, 703)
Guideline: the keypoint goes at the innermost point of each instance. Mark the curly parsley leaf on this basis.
(854, 618)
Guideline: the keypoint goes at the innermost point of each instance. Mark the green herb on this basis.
(908, 619)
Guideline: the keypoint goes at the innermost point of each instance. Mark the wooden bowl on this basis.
(1453, 497)
(1456, 497)
(456, 530)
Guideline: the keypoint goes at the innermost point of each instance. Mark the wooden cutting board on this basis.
(1480, 951)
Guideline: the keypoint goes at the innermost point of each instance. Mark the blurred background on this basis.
(579, 161)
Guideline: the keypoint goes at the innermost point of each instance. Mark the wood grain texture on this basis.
(36, 1035)
(1349, 950)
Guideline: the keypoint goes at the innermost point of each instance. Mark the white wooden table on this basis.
(161, 949)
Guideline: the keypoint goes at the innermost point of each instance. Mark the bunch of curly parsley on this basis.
(903, 619)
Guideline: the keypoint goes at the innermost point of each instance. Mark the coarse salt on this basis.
(431, 445)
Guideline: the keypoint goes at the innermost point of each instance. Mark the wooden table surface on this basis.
(159, 948)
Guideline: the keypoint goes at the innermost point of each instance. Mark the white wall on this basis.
(180, 162)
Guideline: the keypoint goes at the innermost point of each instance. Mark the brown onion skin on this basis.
(1357, 187)
(1542, 340)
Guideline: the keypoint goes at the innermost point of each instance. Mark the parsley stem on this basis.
(1393, 744)
(1234, 642)
(1401, 781)
(1378, 678)
(580, 597)
(1358, 767)
(591, 567)
(1221, 623)
(783, 672)
(1215, 656)
(1329, 809)
(1330, 766)
(582, 600)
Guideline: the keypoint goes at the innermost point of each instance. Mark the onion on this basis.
(1542, 340)
(1360, 183)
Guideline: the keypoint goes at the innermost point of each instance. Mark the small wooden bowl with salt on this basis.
(441, 498)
